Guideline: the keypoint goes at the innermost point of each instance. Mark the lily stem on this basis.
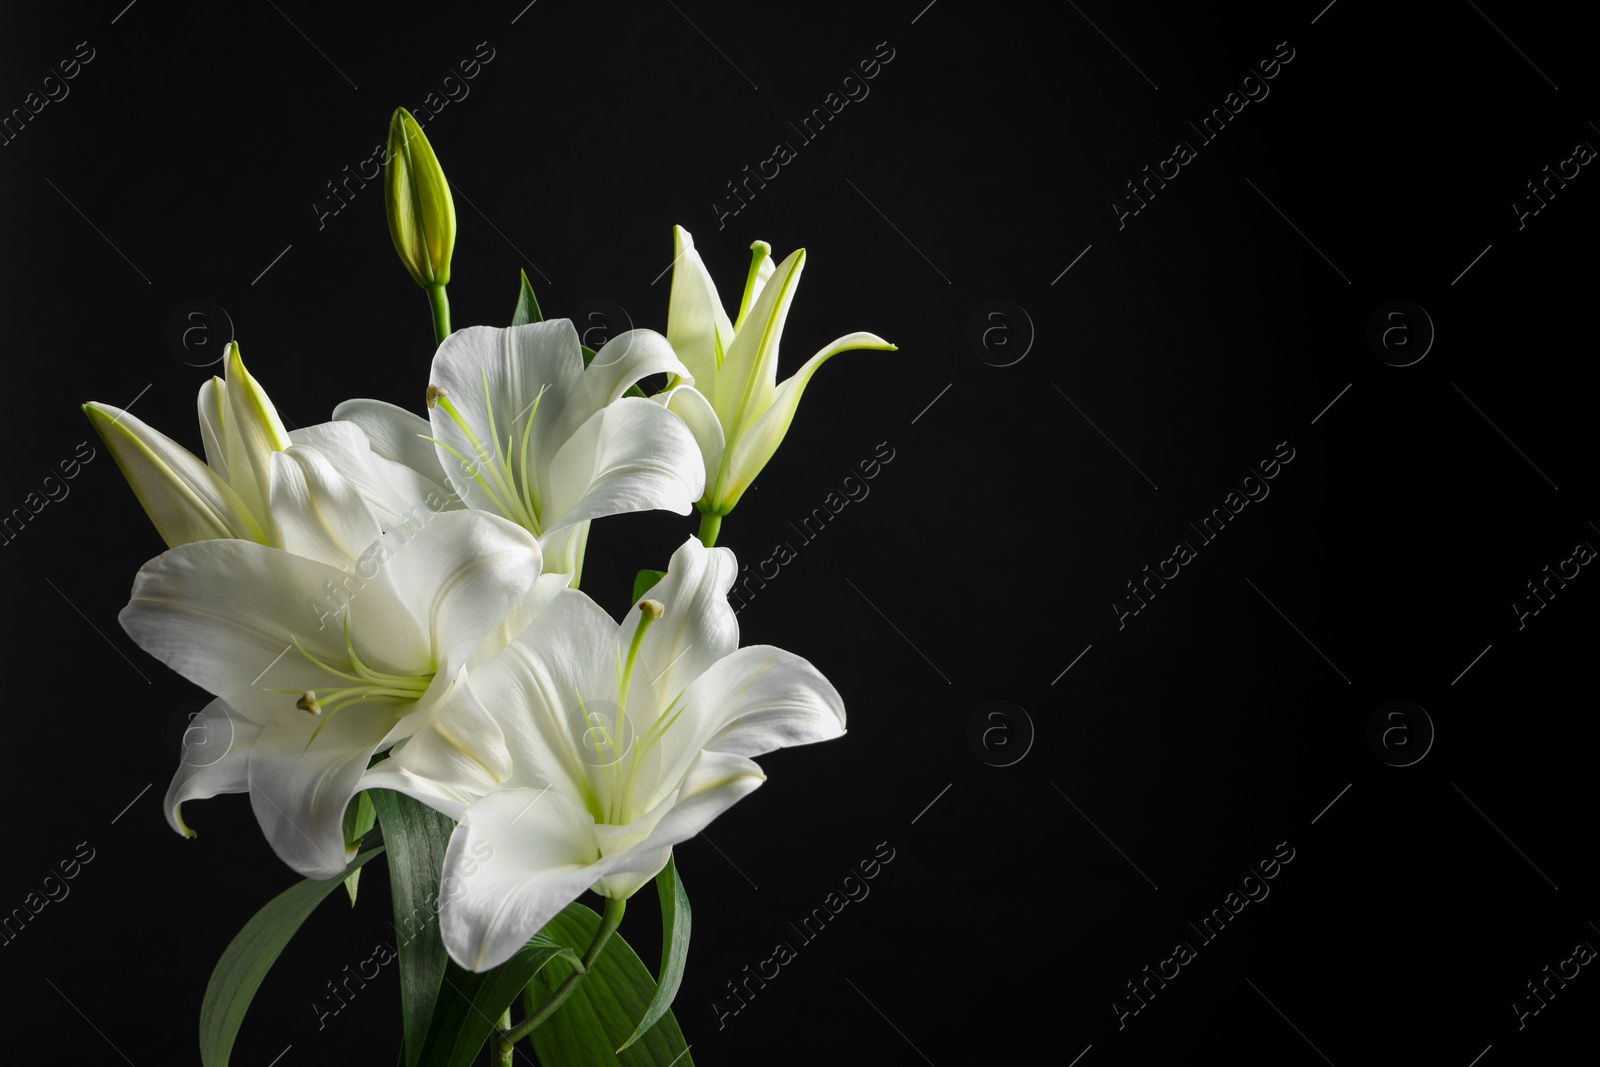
(710, 525)
(441, 311)
(608, 926)
(502, 1051)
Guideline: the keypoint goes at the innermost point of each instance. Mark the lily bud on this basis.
(733, 402)
(422, 216)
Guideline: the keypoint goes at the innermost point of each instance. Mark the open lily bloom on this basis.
(320, 492)
(525, 431)
(318, 669)
(735, 405)
(605, 745)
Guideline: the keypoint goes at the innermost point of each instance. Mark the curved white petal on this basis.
(691, 405)
(750, 372)
(563, 549)
(300, 788)
(395, 434)
(544, 685)
(698, 626)
(625, 359)
(186, 500)
(756, 442)
(457, 757)
(630, 456)
(755, 701)
(215, 760)
(395, 492)
(716, 782)
(212, 405)
(316, 511)
(436, 592)
(185, 610)
(517, 858)
(697, 326)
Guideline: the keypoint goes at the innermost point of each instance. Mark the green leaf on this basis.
(250, 955)
(645, 581)
(470, 1005)
(527, 306)
(417, 837)
(358, 819)
(674, 947)
(599, 1015)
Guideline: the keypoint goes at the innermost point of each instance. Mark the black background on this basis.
(1178, 750)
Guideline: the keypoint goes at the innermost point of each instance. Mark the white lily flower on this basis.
(607, 745)
(525, 431)
(317, 669)
(738, 410)
(320, 492)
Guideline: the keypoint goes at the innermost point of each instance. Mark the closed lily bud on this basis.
(422, 217)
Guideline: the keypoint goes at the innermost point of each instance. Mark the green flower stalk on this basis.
(422, 216)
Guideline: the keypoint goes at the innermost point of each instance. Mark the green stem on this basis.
(441, 311)
(502, 1050)
(710, 524)
(608, 926)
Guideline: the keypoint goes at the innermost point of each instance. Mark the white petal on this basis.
(300, 788)
(253, 433)
(697, 326)
(395, 434)
(625, 359)
(394, 491)
(213, 410)
(186, 500)
(755, 701)
(564, 549)
(316, 511)
(750, 372)
(698, 627)
(225, 614)
(457, 758)
(715, 782)
(690, 405)
(517, 858)
(438, 591)
(757, 441)
(631, 456)
(215, 760)
(541, 687)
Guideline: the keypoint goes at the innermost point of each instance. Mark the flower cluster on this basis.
(389, 600)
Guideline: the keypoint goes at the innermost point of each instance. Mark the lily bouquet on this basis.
(387, 610)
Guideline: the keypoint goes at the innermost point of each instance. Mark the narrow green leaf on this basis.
(600, 1013)
(645, 581)
(417, 837)
(250, 955)
(359, 817)
(674, 947)
(527, 305)
(470, 1005)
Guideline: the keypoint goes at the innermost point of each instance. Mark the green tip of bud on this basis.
(422, 215)
(652, 608)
